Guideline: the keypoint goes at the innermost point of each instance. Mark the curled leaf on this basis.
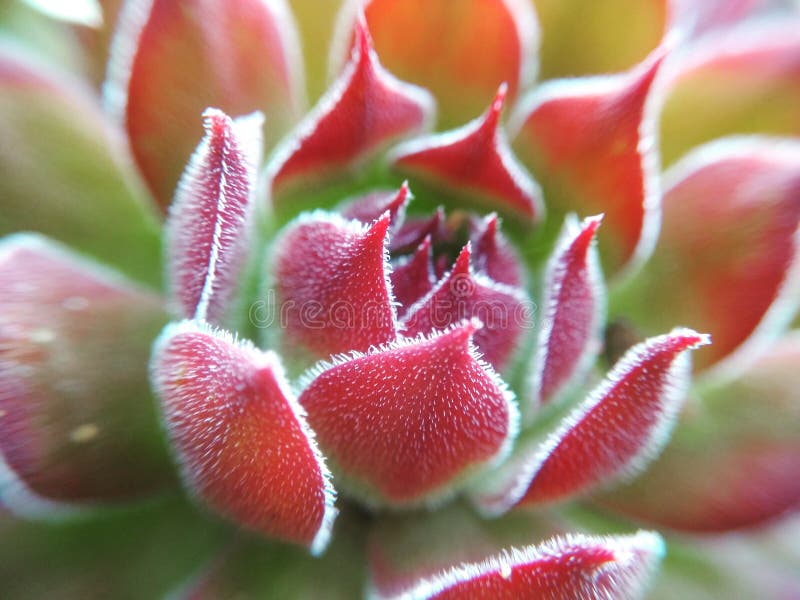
(209, 226)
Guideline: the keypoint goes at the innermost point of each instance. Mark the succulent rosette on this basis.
(444, 334)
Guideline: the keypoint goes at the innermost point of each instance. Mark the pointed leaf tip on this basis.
(459, 50)
(370, 207)
(332, 282)
(475, 159)
(574, 301)
(620, 427)
(208, 229)
(407, 422)
(573, 566)
(240, 437)
(463, 294)
(592, 142)
(363, 111)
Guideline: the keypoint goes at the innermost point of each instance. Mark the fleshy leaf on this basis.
(370, 207)
(477, 160)
(77, 426)
(364, 110)
(575, 566)
(170, 60)
(745, 80)
(240, 437)
(585, 38)
(733, 459)
(464, 294)
(209, 226)
(62, 171)
(729, 235)
(592, 143)
(412, 277)
(459, 49)
(332, 284)
(407, 422)
(494, 256)
(414, 231)
(574, 303)
(620, 427)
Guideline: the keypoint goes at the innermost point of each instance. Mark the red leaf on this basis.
(475, 158)
(575, 566)
(730, 236)
(412, 277)
(209, 227)
(494, 256)
(363, 111)
(370, 207)
(413, 232)
(615, 432)
(170, 60)
(332, 284)
(463, 294)
(240, 437)
(574, 303)
(592, 144)
(407, 422)
(459, 49)
(733, 459)
(76, 421)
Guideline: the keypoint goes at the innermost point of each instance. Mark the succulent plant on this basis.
(430, 338)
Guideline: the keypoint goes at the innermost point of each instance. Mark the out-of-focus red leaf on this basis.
(727, 260)
(77, 426)
(64, 173)
(591, 142)
(743, 80)
(170, 60)
(458, 49)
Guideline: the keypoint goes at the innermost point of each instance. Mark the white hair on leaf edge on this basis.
(507, 488)
(554, 275)
(331, 99)
(259, 359)
(447, 491)
(644, 547)
(133, 18)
